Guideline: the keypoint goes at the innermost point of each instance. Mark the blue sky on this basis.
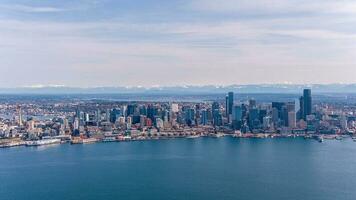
(91, 43)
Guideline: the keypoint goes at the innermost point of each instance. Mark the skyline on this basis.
(188, 42)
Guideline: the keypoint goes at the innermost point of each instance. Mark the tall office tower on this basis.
(301, 108)
(254, 118)
(236, 117)
(292, 121)
(204, 117)
(227, 106)
(189, 116)
(215, 106)
(275, 115)
(152, 112)
(86, 117)
(143, 110)
(174, 107)
(230, 101)
(107, 115)
(307, 103)
(197, 114)
(98, 116)
(216, 116)
(76, 124)
(114, 115)
(343, 122)
(290, 106)
(266, 122)
(20, 116)
(251, 103)
(130, 109)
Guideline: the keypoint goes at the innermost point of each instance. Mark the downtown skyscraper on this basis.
(306, 103)
(229, 105)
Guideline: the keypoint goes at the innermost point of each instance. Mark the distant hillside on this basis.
(209, 89)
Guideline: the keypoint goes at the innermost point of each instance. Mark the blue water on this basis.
(205, 168)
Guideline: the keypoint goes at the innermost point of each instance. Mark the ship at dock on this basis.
(84, 141)
(11, 144)
(42, 142)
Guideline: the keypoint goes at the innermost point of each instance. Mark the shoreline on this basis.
(17, 142)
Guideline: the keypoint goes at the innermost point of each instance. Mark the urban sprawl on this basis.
(80, 122)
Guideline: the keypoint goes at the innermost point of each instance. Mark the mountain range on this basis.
(208, 89)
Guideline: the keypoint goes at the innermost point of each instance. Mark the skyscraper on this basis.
(307, 103)
(227, 106)
(292, 119)
(230, 103)
(301, 108)
(20, 116)
(204, 117)
(236, 117)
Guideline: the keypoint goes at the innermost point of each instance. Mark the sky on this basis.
(91, 43)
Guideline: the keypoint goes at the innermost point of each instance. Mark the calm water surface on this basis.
(204, 168)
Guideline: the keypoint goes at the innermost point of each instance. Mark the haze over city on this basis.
(90, 43)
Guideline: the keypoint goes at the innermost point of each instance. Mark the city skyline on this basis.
(189, 42)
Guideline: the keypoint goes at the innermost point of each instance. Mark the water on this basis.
(204, 168)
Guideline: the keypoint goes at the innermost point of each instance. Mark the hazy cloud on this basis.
(163, 43)
(33, 9)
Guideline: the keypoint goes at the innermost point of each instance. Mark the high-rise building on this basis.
(114, 115)
(152, 112)
(20, 116)
(236, 117)
(251, 103)
(227, 106)
(301, 108)
(266, 121)
(237, 113)
(189, 116)
(204, 117)
(254, 121)
(174, 107)
(217, 117)
(292, 121)
(230, 105)
(343, 122)
(307, 103)
(215, 106)
(130, 109)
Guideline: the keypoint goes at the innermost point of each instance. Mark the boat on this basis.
(76, 141)
(10, 144)
(89, 140)
(109, 139)
(320, 139)
(218, 135)
(43, 142)
(193, 136)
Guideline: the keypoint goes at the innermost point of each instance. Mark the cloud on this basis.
(30, 9)
(275, 6)
(217, 48)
